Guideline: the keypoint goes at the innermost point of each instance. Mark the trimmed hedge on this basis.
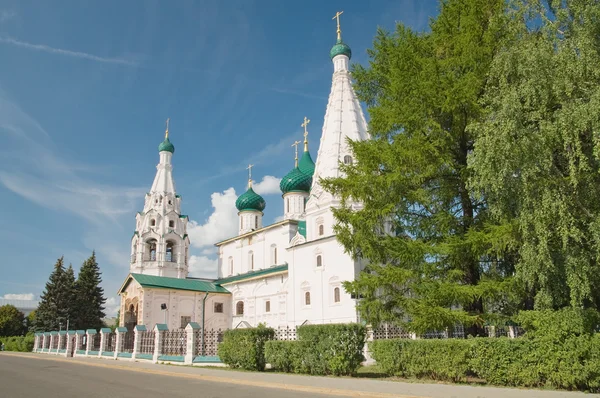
(320, 350)
(18, 343)
(244, 348)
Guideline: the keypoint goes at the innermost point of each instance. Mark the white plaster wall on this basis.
(320, 282)
(293, 205)
(260, 244)
(255, 294)
(249, 220)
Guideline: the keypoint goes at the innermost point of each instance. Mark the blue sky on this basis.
(86, 87)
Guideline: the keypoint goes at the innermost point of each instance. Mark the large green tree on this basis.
(12, 321)
(56, 302)
(434, 258)
(536, 158)
(90, 295)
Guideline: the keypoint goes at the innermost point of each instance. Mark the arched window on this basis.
(241, 222)
(171, 224)
(251, 260)
(267, 306)
(151, 250)
(321, 230)
(239, 308)
(347, 159)
(170, 202)
(307, 298)
(153, 222)
(256, 222)
(288, 204)
(169, 254)
(273, 255)
(336, 295)
(319, 260)
(230, 265)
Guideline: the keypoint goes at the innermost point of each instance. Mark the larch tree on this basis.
(434, 259)
(537, 153)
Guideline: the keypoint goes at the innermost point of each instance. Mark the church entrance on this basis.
(131, 317)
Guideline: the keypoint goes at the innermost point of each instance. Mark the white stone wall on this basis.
(249, 221)
(256, 251)
(293, 205)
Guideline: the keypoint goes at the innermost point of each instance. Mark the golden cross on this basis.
(305, 124)
(339, 31)
(249, 168)
(296, 143)
(167, 130)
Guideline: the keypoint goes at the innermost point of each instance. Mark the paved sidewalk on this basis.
(351, 387)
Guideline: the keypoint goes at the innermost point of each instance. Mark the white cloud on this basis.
(68, 53)
(202, 266)
(19, 296)
(209, 251)
(268, 186)
(220, 225)
(111, 307)
(279, 218)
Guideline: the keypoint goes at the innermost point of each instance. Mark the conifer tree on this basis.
(434, 258)
(90, 295)
(56, 301)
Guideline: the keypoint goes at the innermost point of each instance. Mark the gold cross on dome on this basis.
(249, 168)
(167, 130)
(339, 31)
(305, 125)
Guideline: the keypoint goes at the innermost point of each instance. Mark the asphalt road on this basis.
(31, 378)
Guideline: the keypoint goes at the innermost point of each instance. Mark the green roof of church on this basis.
(340, 48)
(306, 164)
(162, 282)
(253, 274)
(166, 146)
(250, 201)
(295, 181)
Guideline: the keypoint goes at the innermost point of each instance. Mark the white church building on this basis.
(285, 274)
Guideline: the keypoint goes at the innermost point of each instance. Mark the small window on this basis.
(288, 205)
(218, 308)
(152, 222)
(239, 308)
(307, 298)
(268, 306)
(347, 159)
(251, 260)
(274, 256)
(170, 202)
(336, 295)
(321, 230)
(319, 261)
(256, 222)
(171, 224)
(242, 222)
(230, 266)
(185, 320)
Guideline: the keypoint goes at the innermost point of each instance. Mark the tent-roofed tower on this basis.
(344, 119)
(160, 244)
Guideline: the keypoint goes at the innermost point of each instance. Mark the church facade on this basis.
(288, 273)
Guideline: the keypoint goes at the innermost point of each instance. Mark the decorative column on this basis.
(159, 331)
(53, 337)
(120, 331)
(69, 345)
(90, 333)
(137, 342)
(78, 342)
(104, 336)
(46, 341)
(366, 349)
(191, 331)
(35, 342)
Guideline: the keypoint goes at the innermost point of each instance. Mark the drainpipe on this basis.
(203, 312)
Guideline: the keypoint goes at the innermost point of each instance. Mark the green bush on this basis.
(320, 350)
(18, 343)
(284, 355)
(559, 325)
(435, 359)
(244, 348)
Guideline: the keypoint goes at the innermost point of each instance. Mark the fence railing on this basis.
(194, 345)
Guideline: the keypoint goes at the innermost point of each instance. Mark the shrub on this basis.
(244, 348)
(436, 359)
(559, 325)
(284, 355)
(18, 343)
(331, 349)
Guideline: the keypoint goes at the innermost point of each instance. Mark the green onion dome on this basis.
(340, 48)
(250, 201)
(166, 146)
(306, 164)
(295, 181)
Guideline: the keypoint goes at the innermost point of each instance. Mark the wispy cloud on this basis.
(5, 15)
(18, 296)
(68, 53)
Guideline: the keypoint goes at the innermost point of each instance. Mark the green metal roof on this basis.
(253, 274)
(162, 282)
(306, 164)
(340, 48)
(302, 228)
(250, 201)
(295, 181)
(166, 146)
